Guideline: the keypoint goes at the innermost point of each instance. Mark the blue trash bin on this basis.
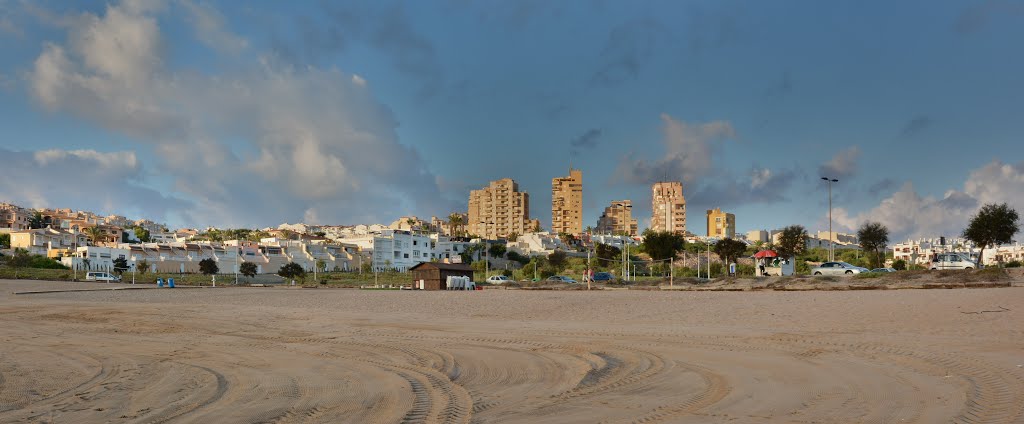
(170, 283)
(159, 282)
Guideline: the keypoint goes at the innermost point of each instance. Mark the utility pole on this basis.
(831, 243)
(236, 265)
(587, 275)
(709, 258)
(671, 265)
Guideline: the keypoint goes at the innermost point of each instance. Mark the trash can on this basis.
(170, 283)
(159, 282)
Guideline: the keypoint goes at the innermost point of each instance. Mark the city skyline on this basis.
(207, 113)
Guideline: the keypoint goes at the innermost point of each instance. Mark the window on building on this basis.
(406, 256)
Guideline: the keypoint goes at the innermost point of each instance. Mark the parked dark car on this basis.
(604, 276)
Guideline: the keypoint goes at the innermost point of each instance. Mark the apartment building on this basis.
(838, 237)
(618, 219)
(14, 218)
(498, 210)
(758, 236)
(668, 207)
(567, 203)
(721, 225)
(922, 250)
(42, 241)
(400, 250)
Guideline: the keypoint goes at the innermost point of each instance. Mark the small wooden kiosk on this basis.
(434, 274)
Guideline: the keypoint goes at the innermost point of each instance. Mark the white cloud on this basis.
(102, 181)
(689, 151)
(910, 215)
(111, 160)
(358, 80)
(760, 177)
(209, 27)
(300, 139)
(842, 165)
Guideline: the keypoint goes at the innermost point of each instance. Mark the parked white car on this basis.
(498, 279)
(952, 261)
(101, 276)
(837, 268)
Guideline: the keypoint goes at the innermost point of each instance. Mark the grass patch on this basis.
(866, 275)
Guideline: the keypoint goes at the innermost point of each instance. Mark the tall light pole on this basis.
(487, 253)
(831, 244)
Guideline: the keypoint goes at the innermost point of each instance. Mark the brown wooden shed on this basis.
(435, 274)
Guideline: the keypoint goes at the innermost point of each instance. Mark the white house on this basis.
(542, 243)
(400, 250)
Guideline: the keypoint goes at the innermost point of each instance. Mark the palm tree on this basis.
(412, 223)
(95, 233)
(454, 222)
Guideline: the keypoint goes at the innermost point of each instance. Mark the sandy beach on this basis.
(260, 355)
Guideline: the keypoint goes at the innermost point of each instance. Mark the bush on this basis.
(43, 262)
(899, 265)
(1013, 264)
(515, 256)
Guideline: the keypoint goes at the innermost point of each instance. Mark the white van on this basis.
(952, 261)
(101, 276)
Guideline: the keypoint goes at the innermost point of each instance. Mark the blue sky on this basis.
(256, 113)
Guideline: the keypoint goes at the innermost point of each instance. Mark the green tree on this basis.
(471, 250)
(142, 266)
(557, 260)
(512, 255)
(36, 221)
(792, 242)
(247, 269)
(994, 224)
(497, 250)
(141, 233)
(120, 265)
(730, 250)
(18, 260)
(661, 245)
(321, 265)
(512, 237)
(873, 238)
(5, 241)
(606, 253)
(208, 266)
(292, 270)
(568, 239)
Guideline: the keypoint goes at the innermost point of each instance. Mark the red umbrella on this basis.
(766, 254)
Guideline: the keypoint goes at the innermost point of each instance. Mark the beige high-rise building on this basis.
(618, 219)
(567, 203)
(721, 224)
(668, 207)
(498, 210)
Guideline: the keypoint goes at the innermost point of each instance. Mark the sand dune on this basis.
(323, 356)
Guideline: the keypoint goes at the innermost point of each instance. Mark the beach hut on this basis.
(434, 275)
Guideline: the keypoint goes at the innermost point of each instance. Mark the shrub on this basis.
(1013, 264)
(899, 265)
(39, 261)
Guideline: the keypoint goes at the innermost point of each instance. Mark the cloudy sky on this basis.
(255, 113)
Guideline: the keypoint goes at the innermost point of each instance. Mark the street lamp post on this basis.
(487, 253)
(831, 243)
